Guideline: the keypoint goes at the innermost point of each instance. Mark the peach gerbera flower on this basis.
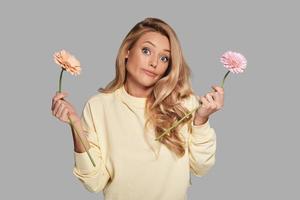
(68, 62)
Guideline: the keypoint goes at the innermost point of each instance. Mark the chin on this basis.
(148, 84)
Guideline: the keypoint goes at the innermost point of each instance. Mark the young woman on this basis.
(119, 125)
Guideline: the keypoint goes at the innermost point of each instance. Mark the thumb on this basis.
(64, 94)
(217, 89)
(214, 88)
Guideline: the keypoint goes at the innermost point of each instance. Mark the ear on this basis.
(127, 54)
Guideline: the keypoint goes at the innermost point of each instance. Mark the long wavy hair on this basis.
(163, 105)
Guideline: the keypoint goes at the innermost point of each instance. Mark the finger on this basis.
(218, 89)
(60, 110)
(56, 107)
(219, 99)
(212, 103)
(216, 96)
(62, 92)
(60, 95)
(199, 100)
(54, 101)
(64, 113)
(204, 101)
(212, 94)
(209, 98)
(58, 99)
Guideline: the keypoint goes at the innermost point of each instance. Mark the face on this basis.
(148, 59)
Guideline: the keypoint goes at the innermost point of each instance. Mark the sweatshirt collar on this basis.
(137, 102)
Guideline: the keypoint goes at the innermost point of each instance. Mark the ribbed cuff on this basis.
(200, 130)
(83, 162)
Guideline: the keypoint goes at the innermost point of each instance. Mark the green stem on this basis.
(176, 124)
(60, 78)
(189, 113)
(71, 123)
(222, 85)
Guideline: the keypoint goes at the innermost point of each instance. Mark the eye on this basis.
(146, 50)
(165, 59)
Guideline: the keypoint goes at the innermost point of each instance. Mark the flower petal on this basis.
(67, 61)
(234, 62)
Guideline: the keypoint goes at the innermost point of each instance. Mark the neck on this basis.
(137, 90)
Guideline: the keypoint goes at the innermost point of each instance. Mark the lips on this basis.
(149, 73)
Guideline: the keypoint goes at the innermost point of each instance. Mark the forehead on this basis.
(159, 40)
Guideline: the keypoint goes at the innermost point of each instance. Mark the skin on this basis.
(151, 52)
(211, 102)
(154, 56)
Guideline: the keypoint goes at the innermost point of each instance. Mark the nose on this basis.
(153, 62)
(152, 65)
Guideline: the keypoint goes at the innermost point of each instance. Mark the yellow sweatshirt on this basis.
(130, 164)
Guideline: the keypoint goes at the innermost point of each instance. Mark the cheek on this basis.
(163, 70)
(134, 67)
(137, 60)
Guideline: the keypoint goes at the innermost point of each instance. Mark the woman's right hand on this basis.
(62, 109)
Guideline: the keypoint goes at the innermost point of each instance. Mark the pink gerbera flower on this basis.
(234, 62)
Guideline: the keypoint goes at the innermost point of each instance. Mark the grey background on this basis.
(257, 151)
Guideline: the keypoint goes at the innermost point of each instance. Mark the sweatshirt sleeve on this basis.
(202, 146)
(94, 179)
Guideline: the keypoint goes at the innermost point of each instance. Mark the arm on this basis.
(94, 179)
(201, 144)
(78, 147)
(202, 149)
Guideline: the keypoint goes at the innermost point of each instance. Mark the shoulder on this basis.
(100, 98)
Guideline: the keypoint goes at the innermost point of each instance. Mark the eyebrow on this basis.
(155, 46)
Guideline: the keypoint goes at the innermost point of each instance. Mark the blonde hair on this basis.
(163, 105)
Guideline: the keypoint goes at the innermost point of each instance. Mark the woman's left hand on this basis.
(211, 102)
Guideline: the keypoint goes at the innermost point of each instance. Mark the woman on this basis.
(119, 125)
